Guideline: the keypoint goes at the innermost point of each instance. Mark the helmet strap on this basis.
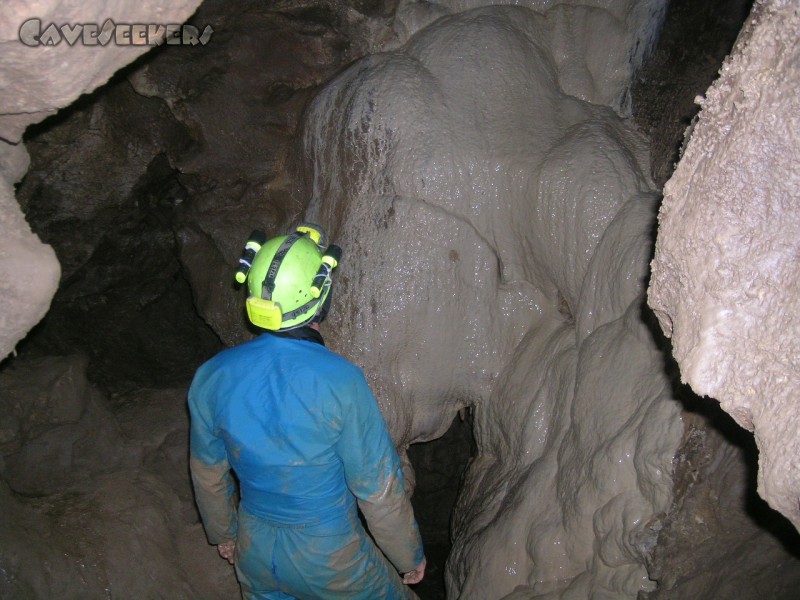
(268, 286)
(299, 310)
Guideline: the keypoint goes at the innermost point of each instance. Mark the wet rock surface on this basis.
(519, 217)
(717, 520)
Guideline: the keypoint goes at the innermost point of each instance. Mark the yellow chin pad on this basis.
(264, 313)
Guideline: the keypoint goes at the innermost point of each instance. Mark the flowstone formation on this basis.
(499, 231)
(597, 45)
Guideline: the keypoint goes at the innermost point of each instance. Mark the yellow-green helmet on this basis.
(289, 279)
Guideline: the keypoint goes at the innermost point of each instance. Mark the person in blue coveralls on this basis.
(299, 427)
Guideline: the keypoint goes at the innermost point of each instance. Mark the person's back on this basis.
(303, 433)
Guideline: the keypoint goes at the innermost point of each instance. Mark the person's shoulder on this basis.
(340, 367)
(333, 357)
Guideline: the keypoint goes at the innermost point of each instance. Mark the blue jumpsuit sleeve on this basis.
(373, 473)
(214, 487)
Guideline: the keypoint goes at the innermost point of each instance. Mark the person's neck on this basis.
(307, 333)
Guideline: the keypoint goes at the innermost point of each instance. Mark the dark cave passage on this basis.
(439, 467)
(695, 39)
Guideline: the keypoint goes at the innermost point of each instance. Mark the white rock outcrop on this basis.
(726, 274)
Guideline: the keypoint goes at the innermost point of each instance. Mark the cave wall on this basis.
(148, 222)
(29, 268)
(44, 79)
(395, 174)
(230, 170)
(691, 47)
(95, 496)
(725, 274)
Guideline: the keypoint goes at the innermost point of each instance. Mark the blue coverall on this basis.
(305, 437)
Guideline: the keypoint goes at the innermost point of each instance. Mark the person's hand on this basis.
(416, 575)
(226, 550)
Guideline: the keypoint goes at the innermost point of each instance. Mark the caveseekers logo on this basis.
(33, 33)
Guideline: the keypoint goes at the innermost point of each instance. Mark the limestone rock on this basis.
(65, 433)
(726, 277)
(719, 539)
(29, 270)
(47, 77)
(592, 69)
(204, 165)
(89, 486)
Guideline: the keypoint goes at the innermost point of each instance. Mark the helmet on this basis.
(289, 279)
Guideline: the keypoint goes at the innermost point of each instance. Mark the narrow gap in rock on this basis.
(439, 467)
(696, 38)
